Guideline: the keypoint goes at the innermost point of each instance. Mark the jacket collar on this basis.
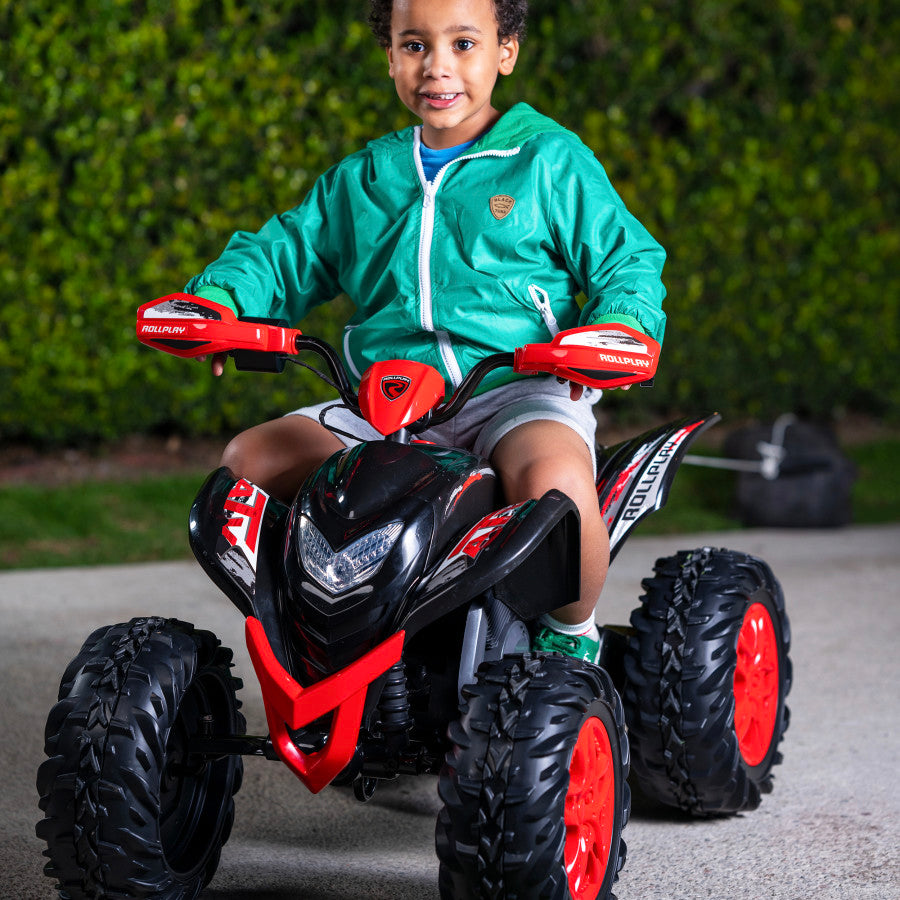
(516, 126)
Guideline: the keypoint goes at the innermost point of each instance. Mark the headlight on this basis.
(338, 572)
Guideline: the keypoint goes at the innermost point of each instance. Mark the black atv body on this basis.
(389, 613)
(453, 583)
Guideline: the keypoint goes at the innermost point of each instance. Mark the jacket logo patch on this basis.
(501, 205)
(394, 386)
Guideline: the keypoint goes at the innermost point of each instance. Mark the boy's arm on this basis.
(281, 271)
(612, 256)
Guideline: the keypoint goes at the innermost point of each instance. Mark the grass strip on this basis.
(96, 523)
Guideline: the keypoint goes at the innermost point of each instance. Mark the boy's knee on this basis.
(279, 454)
(236, 453)
(566, 472)
(539, 456)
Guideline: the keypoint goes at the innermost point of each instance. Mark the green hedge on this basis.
(757, 141)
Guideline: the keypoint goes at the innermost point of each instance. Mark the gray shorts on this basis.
(484, 420)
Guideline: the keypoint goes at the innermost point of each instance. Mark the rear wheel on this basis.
(128, 811)
(534, 789)
(708, 672)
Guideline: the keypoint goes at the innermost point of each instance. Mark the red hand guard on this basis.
(601, 356)
(189, 326)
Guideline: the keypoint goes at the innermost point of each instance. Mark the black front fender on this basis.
(529, 553)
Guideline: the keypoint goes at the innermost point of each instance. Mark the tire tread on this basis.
(105, 741)
(679, 673)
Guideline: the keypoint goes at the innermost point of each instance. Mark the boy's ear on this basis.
(390, 60)
(509, 53)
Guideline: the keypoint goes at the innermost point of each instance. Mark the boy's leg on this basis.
(278, 455)
(540, 455)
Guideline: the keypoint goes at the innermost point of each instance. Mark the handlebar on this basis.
(189, 326)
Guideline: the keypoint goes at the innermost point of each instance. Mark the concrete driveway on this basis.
(829, 830)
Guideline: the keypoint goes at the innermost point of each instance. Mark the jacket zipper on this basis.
(541, 300)
(426, 236)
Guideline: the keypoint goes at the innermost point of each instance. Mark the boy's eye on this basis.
(414, 46)
(465, 44)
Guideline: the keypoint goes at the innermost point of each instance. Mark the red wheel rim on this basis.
(590, 811)
(756, 685)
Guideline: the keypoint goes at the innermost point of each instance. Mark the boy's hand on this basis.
(576, 390)
(223, 298)
(218, 362)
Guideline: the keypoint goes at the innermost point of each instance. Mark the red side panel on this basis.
(290, 706)
(396, 393)
(189, 326)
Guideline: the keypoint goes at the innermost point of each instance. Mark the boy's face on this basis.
(445, 56)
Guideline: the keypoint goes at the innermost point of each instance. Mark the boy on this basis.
(468, 234)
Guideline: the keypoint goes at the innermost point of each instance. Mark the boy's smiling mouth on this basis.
(440, 100)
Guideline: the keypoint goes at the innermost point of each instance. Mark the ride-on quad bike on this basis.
(388, 617)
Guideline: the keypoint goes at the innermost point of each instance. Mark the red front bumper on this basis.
(290, 706)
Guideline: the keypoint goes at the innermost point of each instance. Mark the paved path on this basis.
(828, 831)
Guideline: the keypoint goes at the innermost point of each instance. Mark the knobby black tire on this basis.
(679, 691)
(124, 817)
(501, 832)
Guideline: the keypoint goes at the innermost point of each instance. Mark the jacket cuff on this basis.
(620, 319)
(218, 295)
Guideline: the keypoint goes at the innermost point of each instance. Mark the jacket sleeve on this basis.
(284, 269)
(613, 258)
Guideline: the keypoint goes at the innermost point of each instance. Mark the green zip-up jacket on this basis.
(488, 256)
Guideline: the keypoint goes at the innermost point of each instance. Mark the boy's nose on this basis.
(438, 63)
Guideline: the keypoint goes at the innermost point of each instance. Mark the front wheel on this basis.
(128, 811)
(534, 789)
(707, 673)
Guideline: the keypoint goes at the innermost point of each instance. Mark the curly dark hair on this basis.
(511, 15)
